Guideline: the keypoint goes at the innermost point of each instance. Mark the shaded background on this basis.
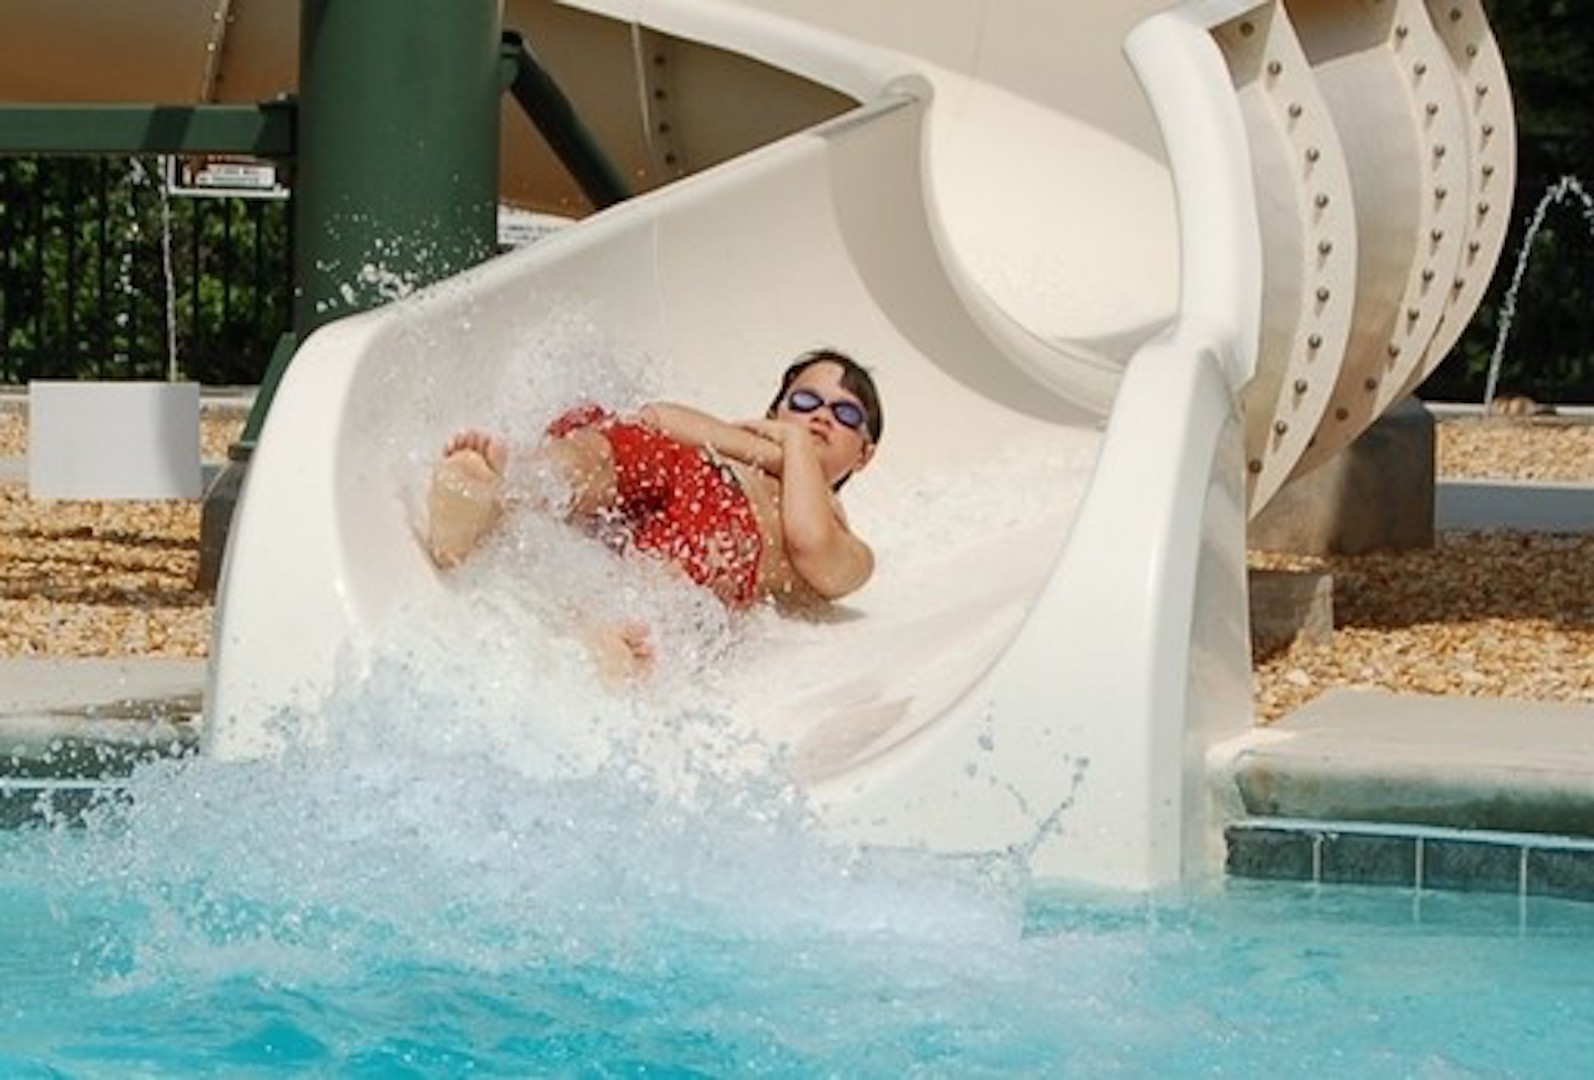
(1548, 353)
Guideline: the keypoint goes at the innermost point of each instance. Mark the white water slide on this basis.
(1162, 256)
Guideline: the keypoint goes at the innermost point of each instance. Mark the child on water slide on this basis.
(748, 510)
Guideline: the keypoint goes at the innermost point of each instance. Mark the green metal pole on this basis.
(397, 173)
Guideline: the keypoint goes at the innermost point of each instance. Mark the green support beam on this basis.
(262, 131)
(397, 177)
(546, 106)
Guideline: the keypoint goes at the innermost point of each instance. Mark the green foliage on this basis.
(103, 276)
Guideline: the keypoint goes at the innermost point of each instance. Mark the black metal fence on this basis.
(106, 273)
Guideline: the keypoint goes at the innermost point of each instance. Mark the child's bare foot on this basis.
(463, 502)
(494, 451)
(622, 651)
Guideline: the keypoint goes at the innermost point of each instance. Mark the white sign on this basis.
(234, 178)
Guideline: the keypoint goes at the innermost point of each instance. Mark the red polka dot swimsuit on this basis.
(678, 504)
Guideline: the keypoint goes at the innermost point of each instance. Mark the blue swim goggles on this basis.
(849, 414)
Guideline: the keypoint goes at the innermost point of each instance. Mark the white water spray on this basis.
(172, 370)
(1555, 195)
(139, 176)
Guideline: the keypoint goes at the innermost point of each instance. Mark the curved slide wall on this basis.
(1171, 277)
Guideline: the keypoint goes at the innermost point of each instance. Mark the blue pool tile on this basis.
(1360, 859)
(1564, 873)
(1273, 854)
(1471, 865)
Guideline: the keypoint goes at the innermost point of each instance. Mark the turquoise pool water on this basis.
(446, 918)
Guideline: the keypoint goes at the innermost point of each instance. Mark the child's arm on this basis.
(821, 546)
(696, 428)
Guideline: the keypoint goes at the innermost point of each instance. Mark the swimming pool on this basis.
(431, 914)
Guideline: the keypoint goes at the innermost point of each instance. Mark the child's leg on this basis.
(622, 652)
(570, 475)
(579, 467)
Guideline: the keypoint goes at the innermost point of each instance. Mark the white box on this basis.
(113, 440)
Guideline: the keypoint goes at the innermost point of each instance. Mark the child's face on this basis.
(843, 449)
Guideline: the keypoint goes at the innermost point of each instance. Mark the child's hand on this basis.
(779, 432)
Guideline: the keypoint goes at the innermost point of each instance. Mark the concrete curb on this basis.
(1514, 505)
(1465, 763)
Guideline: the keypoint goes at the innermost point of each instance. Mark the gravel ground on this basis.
(102, 578)
(1481, 614)
(1485, 614)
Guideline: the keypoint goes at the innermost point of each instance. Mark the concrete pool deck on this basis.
(1495, 764)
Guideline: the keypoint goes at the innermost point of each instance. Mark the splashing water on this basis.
(486, 842)
(1557, 193)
